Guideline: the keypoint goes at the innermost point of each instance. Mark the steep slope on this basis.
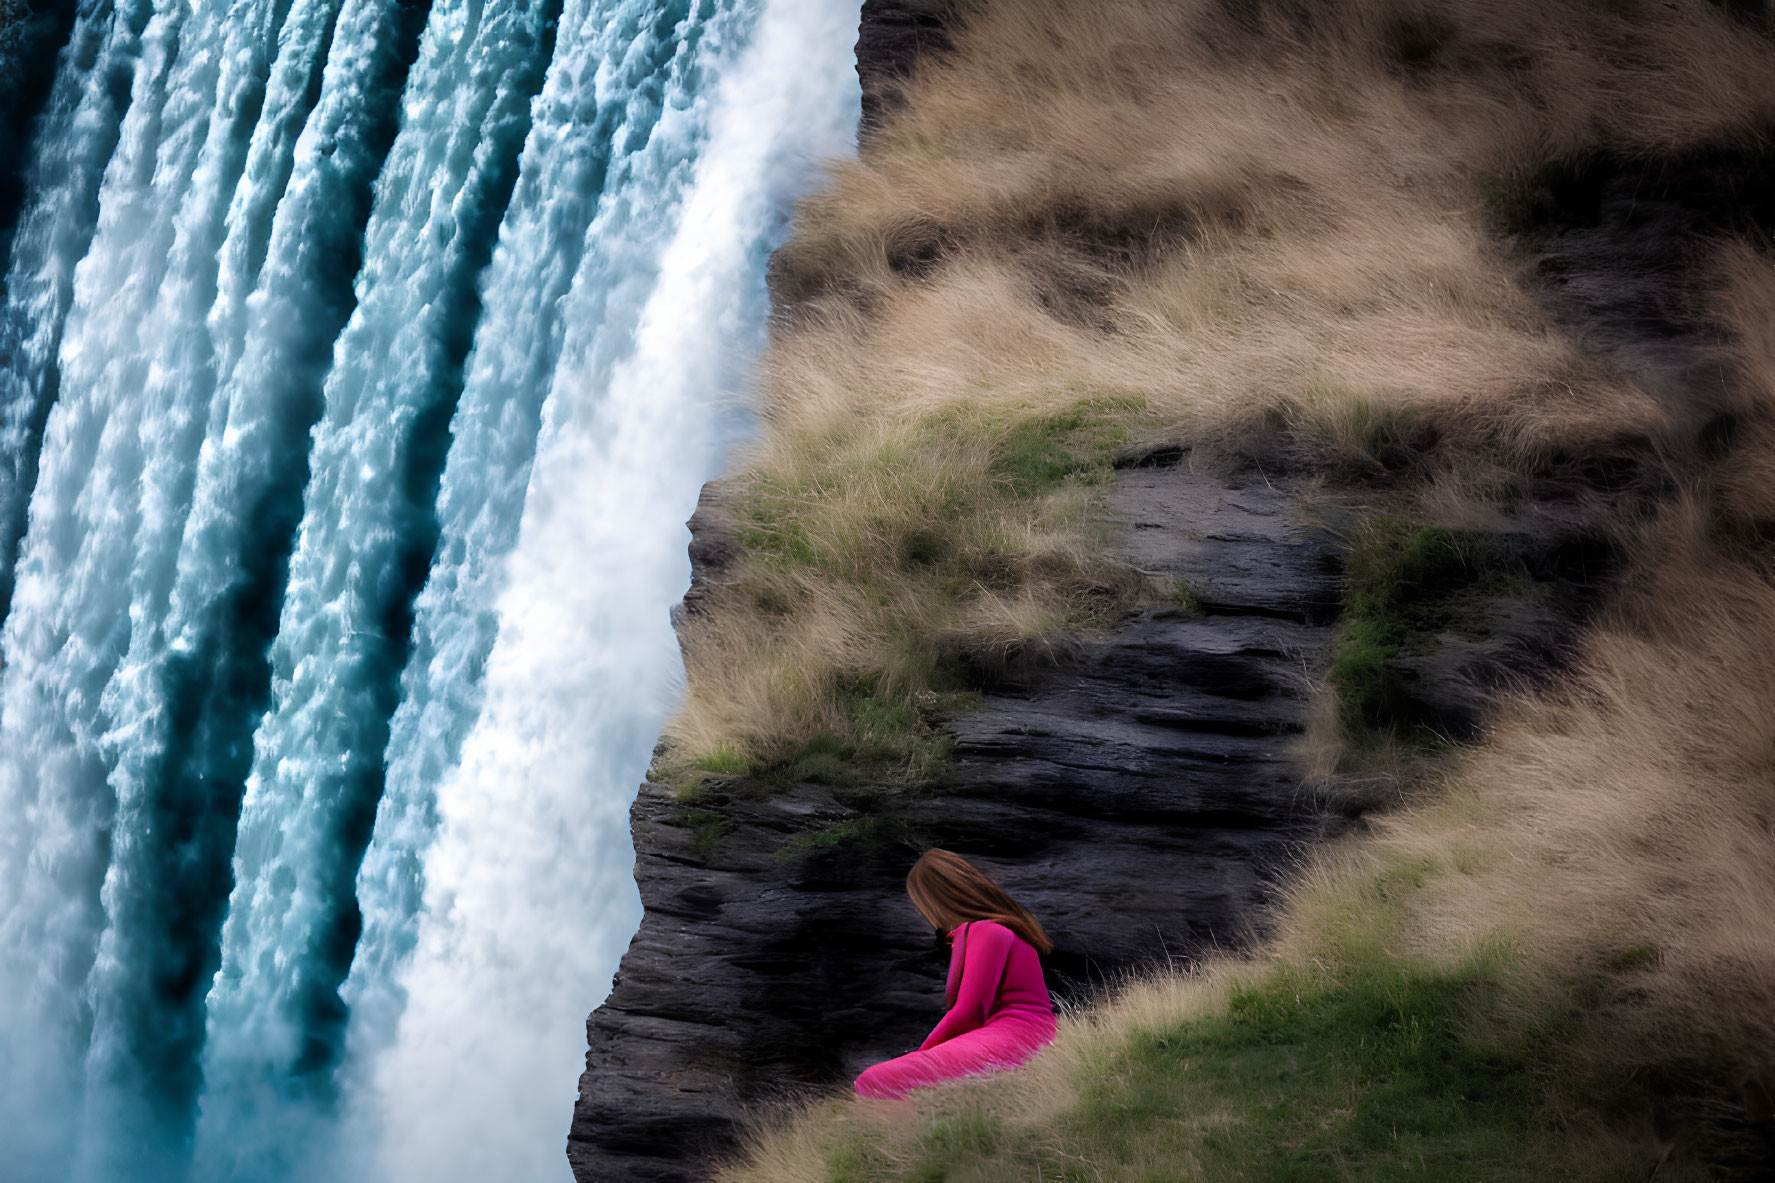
(1150, 775)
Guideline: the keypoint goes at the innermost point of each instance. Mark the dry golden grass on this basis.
(1636, 795)
(1238, 226)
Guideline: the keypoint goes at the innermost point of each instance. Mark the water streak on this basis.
(275, 1018)
(185, 711)
(359, 363)
(78, 131)
(529, 892)
(621, 70)
(119, 448)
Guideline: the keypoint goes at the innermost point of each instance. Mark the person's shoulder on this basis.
(991, 930)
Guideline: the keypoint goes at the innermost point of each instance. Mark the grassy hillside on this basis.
(1301, 234)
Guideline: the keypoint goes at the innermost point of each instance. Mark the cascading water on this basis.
(359, 363)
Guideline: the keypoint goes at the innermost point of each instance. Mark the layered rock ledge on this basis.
(1137, 794)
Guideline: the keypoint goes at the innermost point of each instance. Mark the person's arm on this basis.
(983, 968)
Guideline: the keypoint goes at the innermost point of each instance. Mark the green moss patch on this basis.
(1373, 1077)
(875, 831)
(707, 826)
(1404, 585)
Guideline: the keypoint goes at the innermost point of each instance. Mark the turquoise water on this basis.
(359, 364)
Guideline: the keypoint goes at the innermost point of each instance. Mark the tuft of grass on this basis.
(708, 826)
(724, 760)
(830, 838)
(1183, 597)
(1393, 573)
(885, 743)
(1360, 437)
(1046, 452)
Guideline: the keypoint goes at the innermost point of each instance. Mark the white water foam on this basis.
(194, 283)
(529, 898)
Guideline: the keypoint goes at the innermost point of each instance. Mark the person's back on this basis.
(1024, 992)
(993, 952)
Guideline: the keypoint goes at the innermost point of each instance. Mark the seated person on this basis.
(999, 1010)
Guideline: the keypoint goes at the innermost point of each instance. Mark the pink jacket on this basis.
(995, 977)
(999, 1015)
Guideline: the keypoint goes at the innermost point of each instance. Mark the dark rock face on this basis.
(1136, 794)
(713, 550)
(1139, 798)
(894, 35)
(1620, 252)
(1235, 543)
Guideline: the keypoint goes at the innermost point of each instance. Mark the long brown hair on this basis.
(949, 891)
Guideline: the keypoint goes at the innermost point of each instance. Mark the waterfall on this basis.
(359, 364)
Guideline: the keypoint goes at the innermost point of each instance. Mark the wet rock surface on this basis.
(1137, 794)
